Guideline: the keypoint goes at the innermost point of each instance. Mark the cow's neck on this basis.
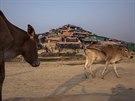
(15, 47)
(19, 37)
(11, 53)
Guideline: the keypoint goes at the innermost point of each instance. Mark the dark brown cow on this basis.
(15, 41)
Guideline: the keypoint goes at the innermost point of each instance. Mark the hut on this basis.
(131, 46)
(97, 38)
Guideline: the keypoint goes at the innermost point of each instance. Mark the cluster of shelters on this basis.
(71, 35)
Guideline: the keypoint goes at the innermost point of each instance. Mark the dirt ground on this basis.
(63, 79)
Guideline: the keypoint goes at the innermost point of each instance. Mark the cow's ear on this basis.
(30, 31)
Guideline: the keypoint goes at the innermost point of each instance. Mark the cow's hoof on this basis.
(118, 77)
(102, 77)
(93, 76)
(86, 77)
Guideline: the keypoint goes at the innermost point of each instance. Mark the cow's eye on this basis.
(126, 50)
(39, 46)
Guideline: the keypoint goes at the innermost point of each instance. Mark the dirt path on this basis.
(64, 80)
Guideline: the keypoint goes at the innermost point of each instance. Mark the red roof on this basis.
(68, 42)
(55, 38)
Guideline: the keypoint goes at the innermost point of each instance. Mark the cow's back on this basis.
(113, 53)
(5, 35)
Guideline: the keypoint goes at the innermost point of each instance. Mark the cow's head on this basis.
(29, 49)
(126, 52)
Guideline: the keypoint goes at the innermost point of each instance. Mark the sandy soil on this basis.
(62, 79)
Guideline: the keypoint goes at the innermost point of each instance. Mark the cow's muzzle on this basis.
(35, 63)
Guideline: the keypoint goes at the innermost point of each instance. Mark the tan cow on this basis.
(107, 54)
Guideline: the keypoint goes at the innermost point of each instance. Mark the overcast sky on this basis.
(110, 18)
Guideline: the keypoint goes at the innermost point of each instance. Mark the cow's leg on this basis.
(77, 51)
(115, 70)
(88, 70)
(86, 63)
(88, 67)
(2, 72)
(60, 49)
(105, 68)
(85, 67)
